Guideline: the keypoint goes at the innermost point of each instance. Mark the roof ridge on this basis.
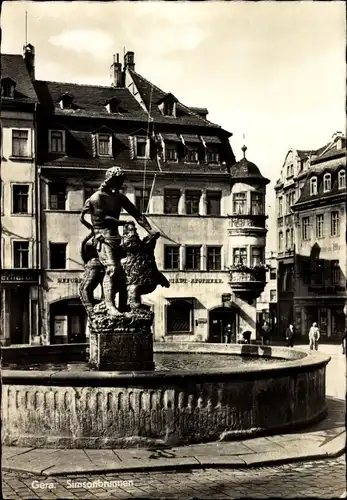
(183, 105)
(83, 84)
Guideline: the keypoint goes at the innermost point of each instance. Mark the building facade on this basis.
(267, 302)
(180, 171)
(289, 188)
(320, 257)
(20, 259)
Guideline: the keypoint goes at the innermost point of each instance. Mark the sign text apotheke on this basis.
(69, 280)
(196, 280)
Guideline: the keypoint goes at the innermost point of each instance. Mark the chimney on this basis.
(29, 58)
(129, 61)
(116, 72)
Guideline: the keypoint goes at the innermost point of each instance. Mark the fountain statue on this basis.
(120, 336)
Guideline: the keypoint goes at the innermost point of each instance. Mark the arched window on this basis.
(342, 179)
(326, 182)
(179, 316)
(313, 186)
(280, 241)
(287, 239)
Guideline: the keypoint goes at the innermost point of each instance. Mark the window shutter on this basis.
(94, 145)
(153, 150)
(132, 145)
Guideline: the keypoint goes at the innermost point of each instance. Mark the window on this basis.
(20, 143)
(141, 147)
(287, 239)
(179, 316)
(239, 203)
(273, 273)
(192, 155)
(20, 196)
(326, 182)
(280, 241)
(320, 226)
(290, 170)
(193, 258)
(291, 237)
(7, 87)
(57, 252)
(335, 224)
(142, 200)
(171, 152)
(342, 179)
(171, 200)
(257, 256)
(292, 198)
(214, 258)
(21, 254)
(319, 271)
(192, 202)
(280, 206)
(56, 140)
(66, 101)
(212, 157)
(305, 227)
(213, 200)
(240, 256)
(104, 144)
(57, 196)
(257, 203)
(313, 186)
(335, 272)
(272, 295)
(171, 257)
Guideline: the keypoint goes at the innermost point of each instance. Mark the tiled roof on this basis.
(88, 98)
(151, 94)
(245, 169)
(330, 153)
(13, 66)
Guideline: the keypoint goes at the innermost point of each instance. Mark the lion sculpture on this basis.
(141, 272)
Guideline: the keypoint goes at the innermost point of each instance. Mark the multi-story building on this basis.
(267, 302)
(20, 259)
(288, 189)
(320, 253)
(180, 170)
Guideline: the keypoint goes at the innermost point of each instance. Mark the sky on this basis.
(272, 72)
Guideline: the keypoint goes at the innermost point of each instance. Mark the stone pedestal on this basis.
(121, 351)
(121, 343)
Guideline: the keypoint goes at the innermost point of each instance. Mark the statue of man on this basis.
(104, 207)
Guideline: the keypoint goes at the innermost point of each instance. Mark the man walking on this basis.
(265, 333)
(290, 334)
(314, 336)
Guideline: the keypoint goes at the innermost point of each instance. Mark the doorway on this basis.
(68, 321)
(219, 319)
(19, 314)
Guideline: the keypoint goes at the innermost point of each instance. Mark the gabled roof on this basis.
(13, 66)
(151, 94)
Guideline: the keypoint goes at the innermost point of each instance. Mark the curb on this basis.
(232, 462)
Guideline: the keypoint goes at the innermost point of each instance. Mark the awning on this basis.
(195, 139)
(211, 139)
(171, 137)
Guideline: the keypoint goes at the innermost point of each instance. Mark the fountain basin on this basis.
(90, 409)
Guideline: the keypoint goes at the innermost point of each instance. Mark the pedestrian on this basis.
(344, 342)
(314, 336)
(290, 334)
(227, 334)
(265, 333)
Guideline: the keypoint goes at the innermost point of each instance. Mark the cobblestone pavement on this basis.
(319, 479)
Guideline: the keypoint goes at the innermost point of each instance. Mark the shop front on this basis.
(19, 306)
(329, 316)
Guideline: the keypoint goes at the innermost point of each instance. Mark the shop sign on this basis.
(196, 280)
(19, 275)
(201, 321)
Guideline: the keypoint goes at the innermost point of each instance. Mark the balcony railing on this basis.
(240, 221)
(246, 281)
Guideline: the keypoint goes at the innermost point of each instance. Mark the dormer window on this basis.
(167, 105)
(66, 101)
(142, 147)
(290, 170)
(326, 183)
(56, 141)
(313, 186)
(112, 106)
(104, 144)
(212, 157)
(171, 152)
(7, 87)
(342, 179)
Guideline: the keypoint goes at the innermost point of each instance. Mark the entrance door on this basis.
(219, 319)
(77, 326)
(19, 315)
